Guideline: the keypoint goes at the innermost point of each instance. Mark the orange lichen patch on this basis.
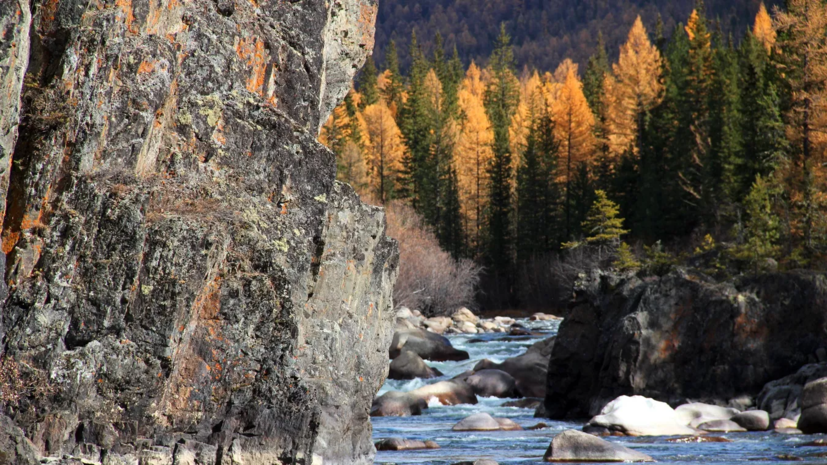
(129, 16)
(218, 134)
(146, 67)
(10, 240)
(284, 209)
(254, 54)
(48, 12)
(208, 303)
(749, 330)
(367, 24)
(671, 343)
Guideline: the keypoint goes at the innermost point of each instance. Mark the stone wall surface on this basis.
(683, 337)
(185, 282)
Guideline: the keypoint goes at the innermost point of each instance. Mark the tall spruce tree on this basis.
(368, 86)
(394, 88)
(501, 100)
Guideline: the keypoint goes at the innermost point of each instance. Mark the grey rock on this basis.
(493, 383)
(408, 365)
(781, 397)
(577, 446)
(477, 422)
(15, 448)
(183, 265)
(426, 344)
(753, 420)
(397, 404)
(508, 424)
(399, 444)
(813, 419)
(722, 426)
(681, 336)
(528, 370)
(451, 392)
(814, 393)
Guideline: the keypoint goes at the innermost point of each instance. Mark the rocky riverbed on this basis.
(436, 423)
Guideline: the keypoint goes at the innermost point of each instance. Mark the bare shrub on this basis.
(430, 280)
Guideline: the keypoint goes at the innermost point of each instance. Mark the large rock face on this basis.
(184, 277)
(683, 337)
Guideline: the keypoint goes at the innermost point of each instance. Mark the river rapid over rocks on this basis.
(528, 446)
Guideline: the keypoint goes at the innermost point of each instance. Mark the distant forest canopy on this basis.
(687, 148)
(543, 32)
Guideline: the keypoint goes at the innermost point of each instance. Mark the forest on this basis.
(543, 32)
(693, 147)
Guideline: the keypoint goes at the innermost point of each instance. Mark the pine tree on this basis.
(501, 100)
(368, 86)
(803, 57)
(394, 89)
(727, 156)
(763, 229)
(763, 29)
(634, 89)
(532, 197)
(385, 152)
(596, 70)
(574, 130)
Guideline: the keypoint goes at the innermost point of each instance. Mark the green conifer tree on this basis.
(367, 84)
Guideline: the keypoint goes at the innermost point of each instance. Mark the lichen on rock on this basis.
(166, 159)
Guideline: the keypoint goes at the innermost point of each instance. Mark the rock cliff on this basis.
(185, 282)
(683, 337)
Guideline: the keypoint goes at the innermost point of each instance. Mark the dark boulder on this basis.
(493, 383)
(528, 369)
(753, 420)
(409, 365)
(814, 407)
(682, 336)
(780, 398)
(577, 446)
(428, 345)
(397, 404)
(399, 444)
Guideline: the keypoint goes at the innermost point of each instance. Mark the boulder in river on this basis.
(399, 444)
(465, 315)
(426, 344)
(814, 407)
(452, 392)
(682, 336)
(780, 398)
(577, 446)
(408, 365)
(493, 383)
(641, 416)
(528, 369)
(695, 413)
(507, 424)
(397, 404)
(477, 422)
(753, 420)
(722, 426)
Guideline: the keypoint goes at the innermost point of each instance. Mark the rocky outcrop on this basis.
(185, 278)
(682, 337)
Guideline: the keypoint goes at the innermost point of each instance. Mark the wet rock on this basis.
(576, 446)
(681, 336)
(508, 425)
(540, 425)
(753, 420)
(814, 407)
(478, 462)
(453, 392)
(477, 422)
(641, 416)
(427, 345)
(697, 439)
(409, 365)
(722, 426)
(399, 444)
(780, 398)
(493, 383)
(696, 413)
(529, 402)
(528, 369)
(397, 404)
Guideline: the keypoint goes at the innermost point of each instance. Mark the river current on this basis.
(528, 447)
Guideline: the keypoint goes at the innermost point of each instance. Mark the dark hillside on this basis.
(544, 31)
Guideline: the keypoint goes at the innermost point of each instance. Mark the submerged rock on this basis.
(682, 336)
(577, 446)
(179, 263)
(477, 422)
(409, 365)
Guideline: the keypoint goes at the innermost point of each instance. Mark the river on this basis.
(526, 447)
